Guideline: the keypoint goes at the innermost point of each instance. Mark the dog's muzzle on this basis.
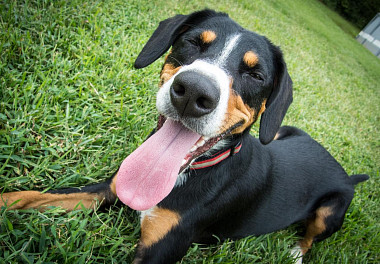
(197, 96)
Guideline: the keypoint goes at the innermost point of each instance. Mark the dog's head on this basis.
(218, 78)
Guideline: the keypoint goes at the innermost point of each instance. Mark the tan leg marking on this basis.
(315, 227)
(208, 36)
(168, 70)
(113, 185)
(37, 200)
(250, 59)
(157, 224)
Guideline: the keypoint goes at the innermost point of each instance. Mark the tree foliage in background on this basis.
(358, 12)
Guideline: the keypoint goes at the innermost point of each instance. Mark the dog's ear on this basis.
(167, 32)
(278, 102)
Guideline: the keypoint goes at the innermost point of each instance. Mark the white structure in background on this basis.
(369, 37)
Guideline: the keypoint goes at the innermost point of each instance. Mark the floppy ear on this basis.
(167, 32)
(277, 103)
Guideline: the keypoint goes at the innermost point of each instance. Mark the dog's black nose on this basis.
(193, 94)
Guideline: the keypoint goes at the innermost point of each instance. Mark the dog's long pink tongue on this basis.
(149, 173)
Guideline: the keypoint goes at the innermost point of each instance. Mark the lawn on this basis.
(72, 107)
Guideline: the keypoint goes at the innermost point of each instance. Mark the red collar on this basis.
(216, 158)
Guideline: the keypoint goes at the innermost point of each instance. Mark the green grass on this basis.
(72, 107)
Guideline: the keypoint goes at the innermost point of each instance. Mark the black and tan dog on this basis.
(201, 174)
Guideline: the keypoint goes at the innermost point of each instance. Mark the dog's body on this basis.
(215, 83)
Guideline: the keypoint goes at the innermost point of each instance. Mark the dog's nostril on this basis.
(179, 90)
(204, 103)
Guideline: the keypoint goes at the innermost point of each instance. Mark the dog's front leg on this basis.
(91, 196)
(165, 237)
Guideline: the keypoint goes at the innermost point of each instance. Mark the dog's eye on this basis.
(194, 42)
(256, 75)
(198, 44)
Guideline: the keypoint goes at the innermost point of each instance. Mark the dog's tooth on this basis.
(201, 142)
(193, 148)
(183, 162)
(205, 138)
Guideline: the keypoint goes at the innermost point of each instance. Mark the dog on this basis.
(200, 174)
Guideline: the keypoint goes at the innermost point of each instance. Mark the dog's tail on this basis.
(357, 178)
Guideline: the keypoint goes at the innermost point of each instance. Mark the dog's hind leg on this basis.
(91, 196)
(326, 220)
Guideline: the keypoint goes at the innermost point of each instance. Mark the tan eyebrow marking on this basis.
(208, 36)
(250, 59)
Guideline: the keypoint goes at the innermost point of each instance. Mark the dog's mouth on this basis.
(149, 173)
(201, 146)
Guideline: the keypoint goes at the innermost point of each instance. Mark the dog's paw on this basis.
(297, 254)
